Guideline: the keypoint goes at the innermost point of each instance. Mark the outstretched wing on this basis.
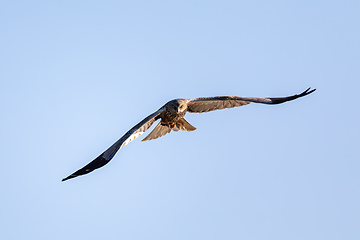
(106, 156)
(207, 104)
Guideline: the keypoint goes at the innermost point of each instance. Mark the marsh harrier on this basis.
(171, 117)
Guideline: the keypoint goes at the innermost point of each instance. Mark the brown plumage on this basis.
(171, 117)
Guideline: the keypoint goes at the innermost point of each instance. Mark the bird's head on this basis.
(177, 105)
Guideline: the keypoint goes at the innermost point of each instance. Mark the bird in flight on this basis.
(171, 117)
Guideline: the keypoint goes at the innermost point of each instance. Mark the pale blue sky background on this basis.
(76, 75)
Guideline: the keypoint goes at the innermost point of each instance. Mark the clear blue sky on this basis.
(76, 75)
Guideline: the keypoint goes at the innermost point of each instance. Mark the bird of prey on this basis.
(171, 117)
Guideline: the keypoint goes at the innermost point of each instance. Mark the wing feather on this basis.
(207, 104)
(108, 154)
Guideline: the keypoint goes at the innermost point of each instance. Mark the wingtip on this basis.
(312, 90)
(307, 92)
(67, 178)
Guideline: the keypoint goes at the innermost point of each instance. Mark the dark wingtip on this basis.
(96, 163)
(312, 90)
(285, 99)
(306, 92)
(67, 178)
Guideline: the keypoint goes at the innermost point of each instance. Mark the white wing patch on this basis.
(132, 137)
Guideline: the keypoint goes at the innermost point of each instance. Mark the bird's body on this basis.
(171, 117)
(174, 111)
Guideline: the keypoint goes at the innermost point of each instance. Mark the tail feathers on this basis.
(161, 130)
(158, 131)
(182, 124)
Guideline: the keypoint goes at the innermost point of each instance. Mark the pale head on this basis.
(177, 105)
